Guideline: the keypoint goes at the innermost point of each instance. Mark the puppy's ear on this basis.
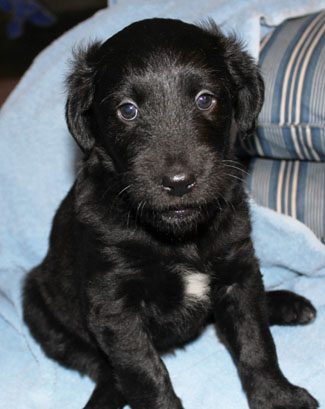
(248, 97)
(81, 87)
(247, 86)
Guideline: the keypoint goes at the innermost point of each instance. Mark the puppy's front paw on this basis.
(282, 396)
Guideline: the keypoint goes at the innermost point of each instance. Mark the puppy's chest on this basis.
(171, 288)
(196, 286)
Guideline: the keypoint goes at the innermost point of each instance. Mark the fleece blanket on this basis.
(37, 166)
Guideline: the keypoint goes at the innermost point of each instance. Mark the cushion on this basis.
(292, 121)
(295, 188)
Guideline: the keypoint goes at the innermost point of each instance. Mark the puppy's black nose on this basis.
(178, 184)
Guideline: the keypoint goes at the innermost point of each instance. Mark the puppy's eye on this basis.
(127, 111)
(205, 100)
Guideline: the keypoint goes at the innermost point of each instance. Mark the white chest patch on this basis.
(197, 286)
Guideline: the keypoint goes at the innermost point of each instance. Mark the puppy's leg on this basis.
(241, 316)
(122, 335)
(70, 350)
(288, 308)
(58, 342)
(106, 395)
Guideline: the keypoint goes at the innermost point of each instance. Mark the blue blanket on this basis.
(37, 167)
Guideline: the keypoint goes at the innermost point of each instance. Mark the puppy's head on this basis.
(161, 100)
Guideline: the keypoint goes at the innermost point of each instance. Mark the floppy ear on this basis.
(81, 86)
(249, 85)
(246, 81)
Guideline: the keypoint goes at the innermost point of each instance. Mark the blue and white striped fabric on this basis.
(292, 122)
(288, 174)
(292, 187)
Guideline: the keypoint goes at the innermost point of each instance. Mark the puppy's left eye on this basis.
(127, 111)
(205, 100)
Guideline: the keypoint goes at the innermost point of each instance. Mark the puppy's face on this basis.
(163, 99)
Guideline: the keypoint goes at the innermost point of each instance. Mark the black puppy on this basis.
(153, 240)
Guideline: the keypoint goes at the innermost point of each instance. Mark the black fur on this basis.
(153, 240)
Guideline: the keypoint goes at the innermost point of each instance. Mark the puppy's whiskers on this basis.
(142, 207)
(234, 167)
(123, 190)
(116, 197)
(137, 213)
(236, 177)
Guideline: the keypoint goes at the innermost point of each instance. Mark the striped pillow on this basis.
(292, 121)
(295, 188)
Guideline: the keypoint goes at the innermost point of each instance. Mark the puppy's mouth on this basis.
(180, 214)
(180, 219)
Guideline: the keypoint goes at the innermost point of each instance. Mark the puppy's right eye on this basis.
(127, 111)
